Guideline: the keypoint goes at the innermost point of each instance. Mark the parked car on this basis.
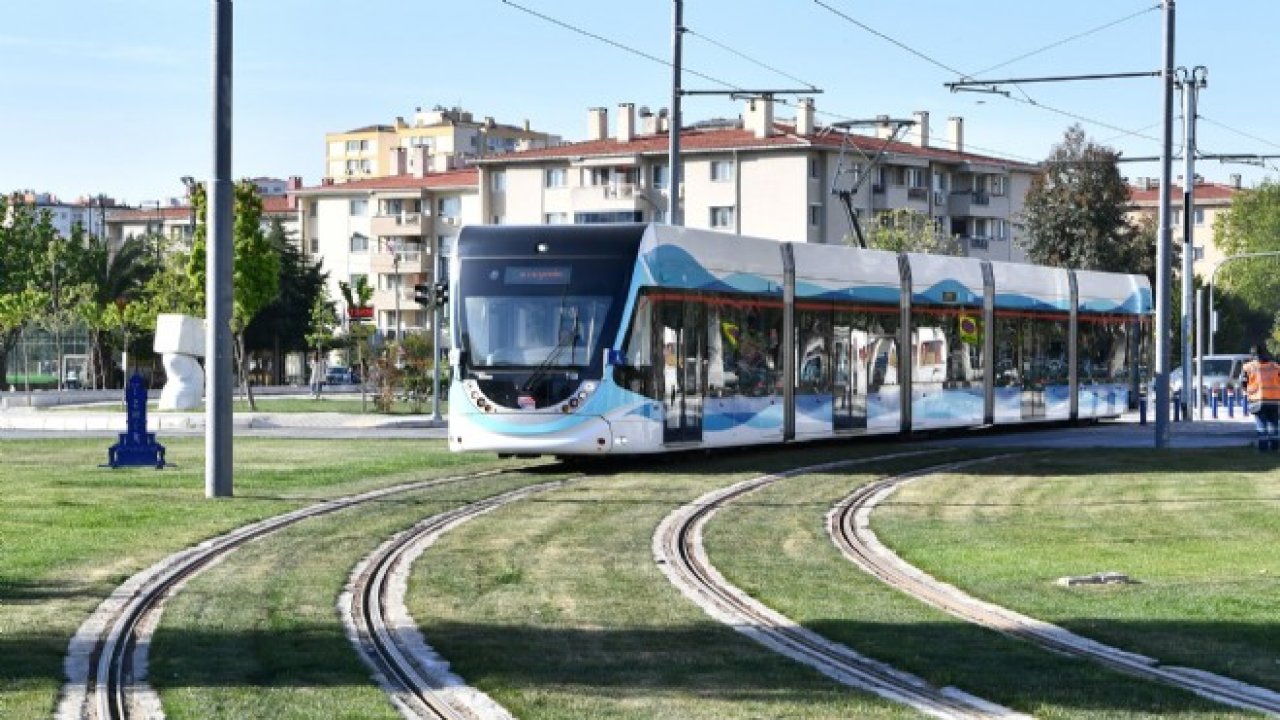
(339, 375)
(1221, 372)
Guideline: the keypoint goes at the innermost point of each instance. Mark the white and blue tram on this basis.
(603, 339)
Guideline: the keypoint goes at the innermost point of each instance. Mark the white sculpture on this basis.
(180, 339)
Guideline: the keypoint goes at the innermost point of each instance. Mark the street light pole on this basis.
(218, 263)
(1164, 243)
(1213, 316)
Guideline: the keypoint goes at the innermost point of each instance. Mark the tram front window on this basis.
(534, 331)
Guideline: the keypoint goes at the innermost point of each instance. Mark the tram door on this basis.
(683, 329)
(849, 389)
(1031, 357)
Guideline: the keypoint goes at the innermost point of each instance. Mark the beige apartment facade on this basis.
(757, 176)
(1209, 201)
(396, 232)
(435, 140)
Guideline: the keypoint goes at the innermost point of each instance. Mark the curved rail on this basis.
(677, 546)
(387, 640)
(849, 526)
(106, 658)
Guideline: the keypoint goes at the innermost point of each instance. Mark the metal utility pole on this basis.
(1191, 83)
(218, 291)
(675, 214)
(1164, 241)
(436, 317)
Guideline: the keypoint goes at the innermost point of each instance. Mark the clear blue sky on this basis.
(114, 96)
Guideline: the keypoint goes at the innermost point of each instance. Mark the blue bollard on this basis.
(1244, 404)
(1177, 409)
(1231, 403)
(1142, 411)
(1213, 403)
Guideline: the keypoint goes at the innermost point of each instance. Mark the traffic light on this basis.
(425, 294)
(442, 293)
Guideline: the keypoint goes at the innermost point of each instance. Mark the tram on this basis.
(646, 338)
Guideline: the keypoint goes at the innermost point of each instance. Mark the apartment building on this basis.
(395, 232)
(759, 176)
(1209, 201)
(89, 213)
(175, 219)
(434, 140)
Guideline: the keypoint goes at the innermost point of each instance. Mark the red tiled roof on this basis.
(167, 212)
(719, 139)
(1203, 192)
(465, 178)
(271, 205)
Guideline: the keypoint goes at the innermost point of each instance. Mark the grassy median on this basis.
(992, 533)
(71, 531)
(1198, 532)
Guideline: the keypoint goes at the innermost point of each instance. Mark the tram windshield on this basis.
(558, 313)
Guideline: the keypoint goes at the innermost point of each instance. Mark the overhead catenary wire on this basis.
(838, 116)
(614, 43)
(726, 48)
(666, 63)
(967, 76)
(1070, 39)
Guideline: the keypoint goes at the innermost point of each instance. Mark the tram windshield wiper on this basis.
(567, 340)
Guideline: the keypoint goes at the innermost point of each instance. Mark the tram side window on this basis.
(947, 347)
(743, 351)
(814, 337)
(637, 374)
(1104, 349)
(1031, 350)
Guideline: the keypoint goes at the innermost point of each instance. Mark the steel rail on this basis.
(387, 647)
(109, 686)
(678, 550)
(849, 527)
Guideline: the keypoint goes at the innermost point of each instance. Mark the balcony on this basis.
(614, 196)
(398, 225)
(918, 194)
(978, 243)
(386, 299)
(411, 262)
(964, 203)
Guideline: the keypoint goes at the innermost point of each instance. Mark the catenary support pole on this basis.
(1199, 326)
(1191, 83)
(675, 213)
(218, 264)
(1164, 244)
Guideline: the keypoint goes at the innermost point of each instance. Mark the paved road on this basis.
(22, 422)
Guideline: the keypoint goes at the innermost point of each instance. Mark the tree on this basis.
(285, 324)
(1075, 211)
(255, 272)
(110, 283)
(25, 238)
(357, 296)
(907, 230)
(1252, 225)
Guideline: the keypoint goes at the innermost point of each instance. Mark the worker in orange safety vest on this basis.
(1262, 386)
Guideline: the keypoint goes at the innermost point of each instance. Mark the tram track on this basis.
(419, 684)
(107, 657)
(677, 547)
(848, 524)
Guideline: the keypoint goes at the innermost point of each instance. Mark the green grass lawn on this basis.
(555, 607)
(70, 531)
(774, 545)
(1197, 530)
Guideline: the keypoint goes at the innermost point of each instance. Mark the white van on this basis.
(1221, 372)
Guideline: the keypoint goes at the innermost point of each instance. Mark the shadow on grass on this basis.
(702, 660)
